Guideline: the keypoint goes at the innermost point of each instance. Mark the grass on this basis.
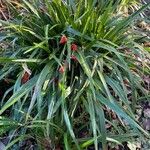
(71, 75)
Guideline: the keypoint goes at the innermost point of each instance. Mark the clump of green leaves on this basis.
(68, 92)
